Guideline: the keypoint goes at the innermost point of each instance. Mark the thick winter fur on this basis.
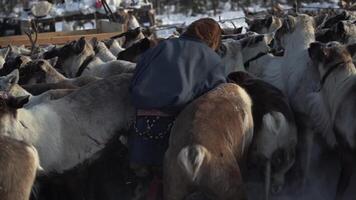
(18, 162)
(105, 175)
(72, 56)
(298, 81)
(9, 86)
(235, 53)
(41, 71)
(275, 135)
(114, 46)
(343, 31)
(338, 92)
(14, 63)
(133, 52)
(101, 50)
(3, 55)
(208, 140)
(69, 130)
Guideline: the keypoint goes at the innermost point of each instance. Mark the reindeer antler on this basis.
(32, 30)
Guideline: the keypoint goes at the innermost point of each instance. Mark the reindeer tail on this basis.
(191, 158)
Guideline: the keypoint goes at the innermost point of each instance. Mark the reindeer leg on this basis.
(267, 179)
(309, 141)
(347, 166)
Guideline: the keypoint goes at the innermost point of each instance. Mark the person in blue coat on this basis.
(167, 78)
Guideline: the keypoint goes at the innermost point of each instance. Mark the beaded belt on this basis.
(152, 113)
(153, 127)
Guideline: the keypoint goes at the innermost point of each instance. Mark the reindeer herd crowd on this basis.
(65, 111)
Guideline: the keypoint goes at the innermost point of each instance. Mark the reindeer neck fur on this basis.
(298, 41)
(71, 66)
(93, 66)
(296, 58)
(268, 68)
(338, 83)
(233, 58)
(35, 125)
(115, 48)
(53, 76)
(104, 53)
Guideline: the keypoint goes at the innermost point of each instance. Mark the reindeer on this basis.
(19, 163)
(14, 63)
(67, 131)
(205, 152)
(333, 63)
(78, 58)
(236, 55)
(106, 175)
(132, 53)
(101, 50)
(41, 71)
(114, 46)
(343, 31)
(9, 86)
(292, 74)
(275, 133)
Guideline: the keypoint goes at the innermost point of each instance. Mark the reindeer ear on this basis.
(13, 77)
(4, 52)
(53, 52)
(269, 21)
(340, 28)
(79, 45)
(258, 38)
(138, 30)
(18, 102)
(352, 49)
(239, 30)
(53, 61)
(269, 37)
(94, 42)
(315, 51)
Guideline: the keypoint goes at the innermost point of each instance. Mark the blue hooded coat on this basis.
(174, 73)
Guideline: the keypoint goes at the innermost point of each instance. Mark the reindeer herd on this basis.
(65, 111)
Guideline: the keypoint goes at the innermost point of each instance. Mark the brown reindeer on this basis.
(207, 144)
(18, 163)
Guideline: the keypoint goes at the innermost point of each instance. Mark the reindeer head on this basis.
(343, 31)
(8, 81)
(34, 72)
(8, 111)
(234, 51)
(133, 52)
(13, 63)
(294, 27)
(266, 25)
(252, 46)
(71, 53)
(330, 56)
(335, 19)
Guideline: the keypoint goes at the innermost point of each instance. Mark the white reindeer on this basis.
(71, 129)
